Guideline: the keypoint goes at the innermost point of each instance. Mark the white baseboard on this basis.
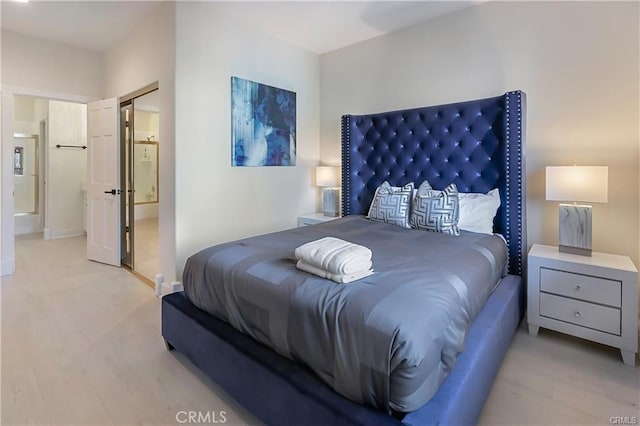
(64, 233)
(146, 211)
(168, 288)
(159, 279)
(46, 233)
(7, 267)
(23, 230)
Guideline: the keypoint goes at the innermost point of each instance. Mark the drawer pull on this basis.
(578, 287)
(577, 314)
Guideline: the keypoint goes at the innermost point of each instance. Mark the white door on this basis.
(103, 182)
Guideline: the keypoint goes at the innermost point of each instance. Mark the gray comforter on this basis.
(388, 340)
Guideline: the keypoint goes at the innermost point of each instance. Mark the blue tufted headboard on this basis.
(478, 145)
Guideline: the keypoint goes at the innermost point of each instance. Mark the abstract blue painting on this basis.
(263, 124)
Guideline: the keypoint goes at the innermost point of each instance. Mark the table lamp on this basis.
(576, 183)
(327, 179)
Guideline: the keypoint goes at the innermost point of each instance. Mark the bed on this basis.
(478, 145)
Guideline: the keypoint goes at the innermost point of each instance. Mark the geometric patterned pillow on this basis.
(391, 204)
(426, 190)
(436, 211)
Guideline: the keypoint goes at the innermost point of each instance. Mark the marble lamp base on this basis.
(331, 202)
(575, 229)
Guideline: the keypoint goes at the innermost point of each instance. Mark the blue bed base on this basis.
(280, 392)
(479, 145)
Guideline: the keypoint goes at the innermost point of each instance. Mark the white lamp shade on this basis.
(577, 183)
(327, 176)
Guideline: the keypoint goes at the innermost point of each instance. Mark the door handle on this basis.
(113, 192)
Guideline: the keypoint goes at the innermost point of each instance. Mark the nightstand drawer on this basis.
(583, 287)
(580, 313)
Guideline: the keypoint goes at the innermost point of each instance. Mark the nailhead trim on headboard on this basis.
(515, 144)
(346, 164)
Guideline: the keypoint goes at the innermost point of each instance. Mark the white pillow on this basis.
(478, 210)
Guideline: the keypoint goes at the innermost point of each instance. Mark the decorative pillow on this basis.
(436, 211)
(391, 204)
(477, 211)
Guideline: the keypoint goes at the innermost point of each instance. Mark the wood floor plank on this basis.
(146, 247)
(22, 401)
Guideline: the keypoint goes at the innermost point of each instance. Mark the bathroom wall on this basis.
(147, 128)
(28, 111)
(67, 170)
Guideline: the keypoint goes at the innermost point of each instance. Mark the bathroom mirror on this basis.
(18, 156)
(25, 174)
(145, 170)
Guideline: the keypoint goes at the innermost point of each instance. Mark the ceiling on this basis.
(323, 26)
(318, 26)
(94, 25)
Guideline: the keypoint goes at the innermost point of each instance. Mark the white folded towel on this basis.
(342, 279)
(335, 256)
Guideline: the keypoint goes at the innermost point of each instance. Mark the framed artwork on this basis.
(263, 124)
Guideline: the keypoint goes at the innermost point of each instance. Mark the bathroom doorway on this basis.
(140, 121)
(49, 167)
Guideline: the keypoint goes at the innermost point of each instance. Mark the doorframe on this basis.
(127, 208)
(7, 229)
(44, 196)
(140, 92)
(128, 199)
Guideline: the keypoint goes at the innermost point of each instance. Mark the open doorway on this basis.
(140, 118)
(49, 173)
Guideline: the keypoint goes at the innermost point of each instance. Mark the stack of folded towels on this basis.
(335, 259)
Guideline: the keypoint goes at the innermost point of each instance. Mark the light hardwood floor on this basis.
(81, 345)
(146, 247)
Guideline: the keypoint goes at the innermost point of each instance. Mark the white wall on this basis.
(577, 62)
(214, 201)
(40, 68)
(144, 57)
(41, 64)
(67, 169)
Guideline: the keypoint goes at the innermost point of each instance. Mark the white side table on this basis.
(594, 298)
(313, 218)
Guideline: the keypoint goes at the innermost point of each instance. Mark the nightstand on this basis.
(313, 218)
(594, 298)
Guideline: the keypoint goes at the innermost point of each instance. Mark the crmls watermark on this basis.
(201, 417)
(623, 420)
